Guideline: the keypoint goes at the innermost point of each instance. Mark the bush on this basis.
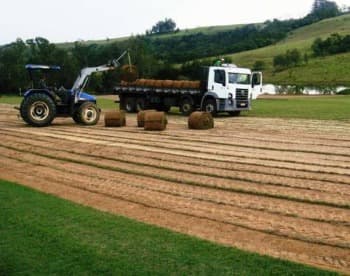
(344, 92)
(290, 59)
(259, 65)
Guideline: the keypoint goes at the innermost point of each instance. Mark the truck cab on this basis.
(230, 89)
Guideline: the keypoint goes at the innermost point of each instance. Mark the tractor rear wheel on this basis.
(38, 110)
(87, 114)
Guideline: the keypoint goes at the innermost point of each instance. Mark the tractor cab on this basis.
(47, 78)
(42, 76)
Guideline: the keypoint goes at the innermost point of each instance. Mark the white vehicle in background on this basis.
(225, 88)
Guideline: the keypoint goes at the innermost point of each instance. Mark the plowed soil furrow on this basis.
(275, 186)
(308, 231)
(272, 140)
(333, 199)
(252, 202)
(265, 142)
(225, 149)
(317, 165)
(230, 167)
(195, 169)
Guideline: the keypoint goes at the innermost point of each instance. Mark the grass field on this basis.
(41, 234)
(313, 107)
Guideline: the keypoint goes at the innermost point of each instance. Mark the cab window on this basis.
(239, 78)
(220, 77)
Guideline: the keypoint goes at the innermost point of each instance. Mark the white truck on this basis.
(224, 88)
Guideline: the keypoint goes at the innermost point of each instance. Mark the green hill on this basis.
(205, 30)
(330, 70)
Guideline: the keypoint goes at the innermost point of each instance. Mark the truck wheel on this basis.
(87, 114)
(234, 113)
(130, 105)
(140, 104)
(38, 110)
(210, 106)
(121, 103)
(186, 106)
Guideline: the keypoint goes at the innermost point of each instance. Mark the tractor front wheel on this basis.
(87, 114)
(38, 110)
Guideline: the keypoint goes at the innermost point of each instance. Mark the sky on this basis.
(71, 20)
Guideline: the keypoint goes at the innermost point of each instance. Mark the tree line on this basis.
(334, 44)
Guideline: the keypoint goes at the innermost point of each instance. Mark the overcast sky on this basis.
(71, 20)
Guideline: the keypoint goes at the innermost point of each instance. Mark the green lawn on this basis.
(312, 107)
(44, 235)
(9, 99)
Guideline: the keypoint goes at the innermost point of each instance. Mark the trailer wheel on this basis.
(38, 110)
(87, 114)
(186, 106)
(210, 106)
(130, 105)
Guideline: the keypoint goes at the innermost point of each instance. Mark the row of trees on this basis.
(14, 56)
(332, 45)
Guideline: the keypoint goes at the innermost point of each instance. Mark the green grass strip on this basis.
(319, 108)
(41, 234)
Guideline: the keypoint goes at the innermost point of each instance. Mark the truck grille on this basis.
(242, 98)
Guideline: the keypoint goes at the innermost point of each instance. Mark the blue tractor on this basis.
(42, 103)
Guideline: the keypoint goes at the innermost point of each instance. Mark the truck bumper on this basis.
(233, 105)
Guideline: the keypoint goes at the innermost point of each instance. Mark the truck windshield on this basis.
(238, 78)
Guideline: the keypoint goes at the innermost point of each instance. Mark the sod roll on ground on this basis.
(115, 118)
(155, 121)
(141, 117)
(200, 120)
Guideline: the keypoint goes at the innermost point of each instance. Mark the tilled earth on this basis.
(273, 186)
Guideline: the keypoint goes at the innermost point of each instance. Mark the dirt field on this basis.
(272, 186)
